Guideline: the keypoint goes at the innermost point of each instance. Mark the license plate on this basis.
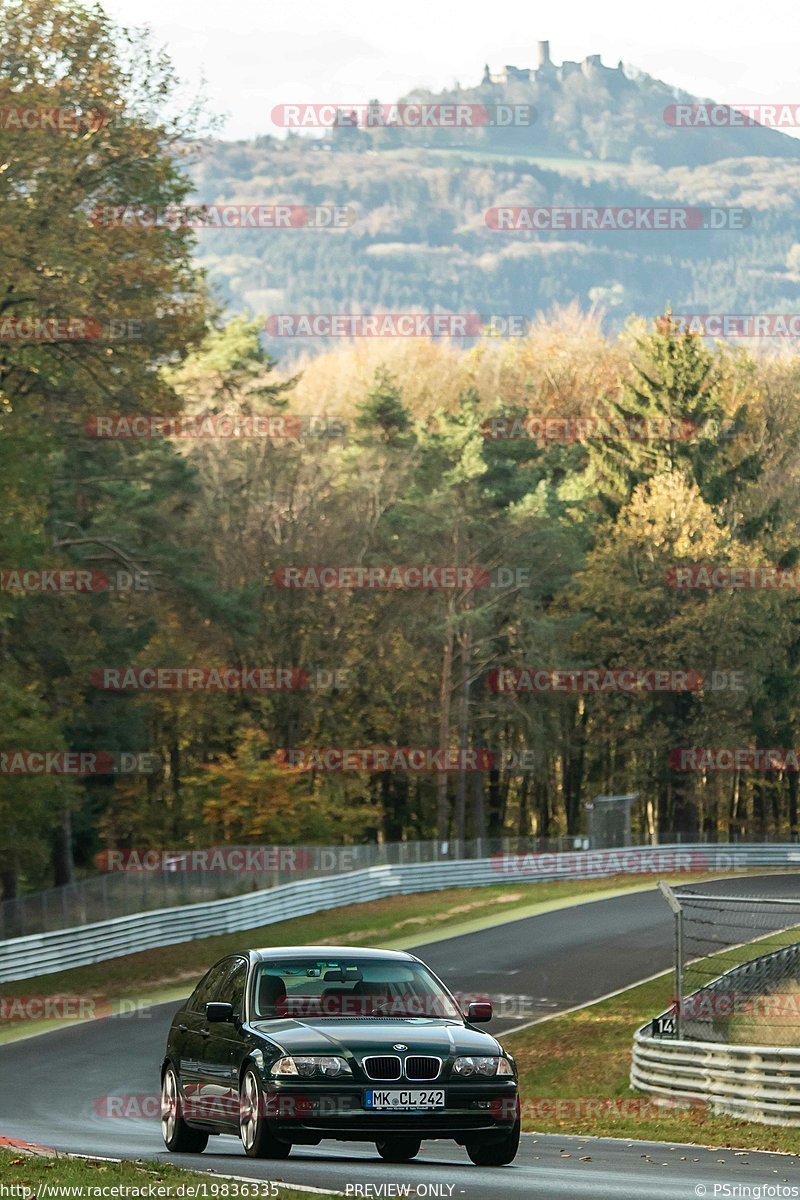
(411, 1098)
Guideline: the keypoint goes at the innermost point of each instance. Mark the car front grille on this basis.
(383, 1066)
(420, 1066)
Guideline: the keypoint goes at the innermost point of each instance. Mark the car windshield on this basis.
(336, 988)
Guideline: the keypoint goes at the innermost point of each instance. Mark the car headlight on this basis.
(329, 1066)
(484, 1066)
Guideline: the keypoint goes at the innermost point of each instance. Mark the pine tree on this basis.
(383, 414)
(669, 416)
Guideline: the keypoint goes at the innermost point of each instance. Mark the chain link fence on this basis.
(737, 969)
(119, 893)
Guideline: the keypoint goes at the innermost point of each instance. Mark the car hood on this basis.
(437, 1037)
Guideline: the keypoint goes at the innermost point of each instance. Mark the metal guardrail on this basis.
(757, 1083)
(45, 953)
(117, 893)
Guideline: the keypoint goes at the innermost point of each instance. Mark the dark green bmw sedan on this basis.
(289, 1046)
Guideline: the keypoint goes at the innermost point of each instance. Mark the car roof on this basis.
(351, 952)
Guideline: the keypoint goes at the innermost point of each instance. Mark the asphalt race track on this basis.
(54, 1087)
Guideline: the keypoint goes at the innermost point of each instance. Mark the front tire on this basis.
(398, 1149)
(179, 1137)
(254, 1130)
(496, 1153)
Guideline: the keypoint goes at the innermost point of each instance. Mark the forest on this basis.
(397, 589)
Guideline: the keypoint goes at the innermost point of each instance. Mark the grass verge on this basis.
(397, 922)
(574, 1079)
(31, 1174)
(169, 972)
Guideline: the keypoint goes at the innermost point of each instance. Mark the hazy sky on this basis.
(258, 53)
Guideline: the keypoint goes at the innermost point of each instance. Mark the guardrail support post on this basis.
(675, 904)
(679, 973)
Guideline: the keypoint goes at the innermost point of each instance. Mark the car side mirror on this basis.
(217, 1013)
(479, 1011)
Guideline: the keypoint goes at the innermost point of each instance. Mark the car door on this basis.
(192, 1034)
(223, 1047)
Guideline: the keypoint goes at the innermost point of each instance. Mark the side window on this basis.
(207, 988)
(232, 991)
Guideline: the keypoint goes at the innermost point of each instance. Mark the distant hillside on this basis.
(594, 111)
(420, 238)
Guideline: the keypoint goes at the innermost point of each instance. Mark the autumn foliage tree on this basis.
(385, 457)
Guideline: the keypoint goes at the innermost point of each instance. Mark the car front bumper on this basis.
(309, 1113)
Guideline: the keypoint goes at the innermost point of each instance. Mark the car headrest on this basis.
(372, 987)
(271, 994)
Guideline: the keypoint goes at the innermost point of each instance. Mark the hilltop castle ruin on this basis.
(546, 70)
